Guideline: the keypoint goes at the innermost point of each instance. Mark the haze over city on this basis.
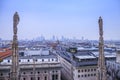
(68, 18)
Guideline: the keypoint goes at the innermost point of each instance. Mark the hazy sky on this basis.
(69, 18)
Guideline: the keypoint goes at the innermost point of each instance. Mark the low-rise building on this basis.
(113, 68)
(81, 65)
(41, 66)
(118, 56)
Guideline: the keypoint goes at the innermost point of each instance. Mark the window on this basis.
(85, 70)
(36, 60)
(31, 72)
(1, 74)
(78, 70)
(94, 69)
(88, 75)
(52, 59)
(94, 74)
(23, 72)
(45, 71)
(78, 76)
(24, 78)
(28, 60)
(8, 60)
(82, 70)
(31, 78)
(8, 74)
(56, 77)
(82, 75)
(91, 74)
(42, 59)
(85, 75)
(45, 77)
(91, 69)
(53, 71)
(19, 60)
(52, 77)
(38, 78)
(38, 72)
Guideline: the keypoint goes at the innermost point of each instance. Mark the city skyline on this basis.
(78, 18)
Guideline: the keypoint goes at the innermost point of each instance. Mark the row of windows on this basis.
(54, 77)
(1, 74)
(33, 78)
(83, 60)
(86, 70)
(86, 75)
(113, 64)
(35, 60)
(39, 72)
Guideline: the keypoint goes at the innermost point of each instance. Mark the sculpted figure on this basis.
(100, 22)
(15, 22)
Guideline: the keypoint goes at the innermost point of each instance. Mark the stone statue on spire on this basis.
(15, 54)
(100, 22)
(101, 75)
(16, 20)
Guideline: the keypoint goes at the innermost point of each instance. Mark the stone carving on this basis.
(101, 59)
(16, 20)
(15, 65)
(100, 22)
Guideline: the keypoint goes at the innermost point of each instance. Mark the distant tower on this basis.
(101, 59)
(15, 66)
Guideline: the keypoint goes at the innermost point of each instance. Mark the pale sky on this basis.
(69, 18)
